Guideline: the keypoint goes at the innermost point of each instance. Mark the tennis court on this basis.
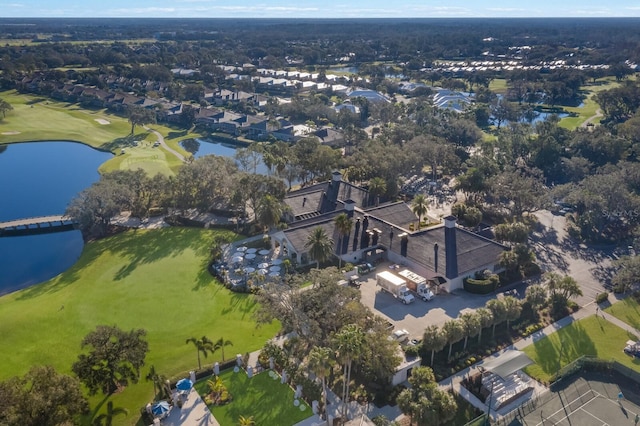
(585, 399)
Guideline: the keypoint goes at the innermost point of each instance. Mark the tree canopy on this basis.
(114, 358)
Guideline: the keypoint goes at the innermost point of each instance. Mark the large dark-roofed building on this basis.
(444, 254)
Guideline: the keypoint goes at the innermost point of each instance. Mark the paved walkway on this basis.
(454, 382)
(164, 144)
(194, 412)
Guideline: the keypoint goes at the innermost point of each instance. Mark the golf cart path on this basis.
(593, 117)
(164, 144)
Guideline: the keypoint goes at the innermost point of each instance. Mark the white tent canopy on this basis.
(507, 363)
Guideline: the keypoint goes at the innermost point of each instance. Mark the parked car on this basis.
(364, 268)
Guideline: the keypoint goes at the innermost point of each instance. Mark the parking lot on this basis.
(416, 316)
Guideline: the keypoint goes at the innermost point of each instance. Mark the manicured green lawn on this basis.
(589, 336)
(36, 118)
(627, 310)
(155, 280)
(264, 398)
(498, 85)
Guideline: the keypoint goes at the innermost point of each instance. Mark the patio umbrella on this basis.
(249, 270)
(274, 274)
(276, 261)
(184, 385)
(263, 265)
(160, 408)
(264, 252)
(252, 250)
(237, 259)
(275, 269)
(242, 248)
(250, 256)
(263, 271)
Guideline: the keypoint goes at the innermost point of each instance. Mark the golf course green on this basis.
(156, 280)
(35, 118)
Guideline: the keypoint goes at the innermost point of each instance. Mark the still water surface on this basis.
(39, 179)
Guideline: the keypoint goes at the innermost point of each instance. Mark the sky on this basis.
(318, 8)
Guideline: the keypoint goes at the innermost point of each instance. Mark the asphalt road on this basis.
(590, 266)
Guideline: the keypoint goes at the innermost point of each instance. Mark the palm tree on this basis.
(203, 345)
(419, 207)
(513, 309)
(349, 343)
(106, 419)
(269, 211)
(471, 324)
(454, 331)
(343, 224)
(486, 319)
(434, 340)
(246, 421)
(320, 245)
(320, 362)
(220, 344)
(157, 380)
(499, 312)
(377, 187)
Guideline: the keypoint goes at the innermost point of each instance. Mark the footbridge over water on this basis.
(36, 225)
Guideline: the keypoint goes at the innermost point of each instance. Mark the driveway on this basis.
(590, 266)
(416, 316)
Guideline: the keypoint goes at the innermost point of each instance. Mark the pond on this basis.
(204, 147)
(40, 179)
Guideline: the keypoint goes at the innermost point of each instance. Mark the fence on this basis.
(584, 363)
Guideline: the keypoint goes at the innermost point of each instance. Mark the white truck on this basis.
(394, 285)
(417, 284)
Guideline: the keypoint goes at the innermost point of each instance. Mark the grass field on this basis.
(590, 336)
(627, 310)
(267, 400)
(155, 280)
(38, 119)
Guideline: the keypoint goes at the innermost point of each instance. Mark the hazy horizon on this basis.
(331, 9)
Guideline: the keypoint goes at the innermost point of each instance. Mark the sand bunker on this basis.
(11, 133)
(102, 121)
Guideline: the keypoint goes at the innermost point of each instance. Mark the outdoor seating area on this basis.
(243, 265)
(504, 390)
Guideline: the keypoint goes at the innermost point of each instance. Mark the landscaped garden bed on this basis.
(262, 397)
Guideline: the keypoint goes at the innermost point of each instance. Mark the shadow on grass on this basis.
(174, 135)
(123, 142)
(570, 344)
(137, 247)
(267, 400)
(240, 302)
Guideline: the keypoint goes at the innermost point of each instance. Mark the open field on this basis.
(590, 336)
(627, 310)
(498, 85)
(262, 397)
(38, 119)
(155, 280)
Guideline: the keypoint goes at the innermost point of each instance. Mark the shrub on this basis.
(602, 297)
(412, 350)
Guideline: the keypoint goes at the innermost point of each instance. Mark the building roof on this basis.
(371, 95)
(317, 205)
(507, 363)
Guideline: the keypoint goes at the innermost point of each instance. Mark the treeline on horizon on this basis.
(427, 37)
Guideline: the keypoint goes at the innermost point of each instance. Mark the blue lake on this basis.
(40, 179)
(207, 147)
